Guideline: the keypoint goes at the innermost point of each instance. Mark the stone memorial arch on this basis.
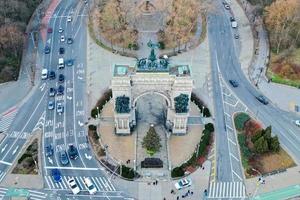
(151, 76)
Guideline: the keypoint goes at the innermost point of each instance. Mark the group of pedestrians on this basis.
(188, 193)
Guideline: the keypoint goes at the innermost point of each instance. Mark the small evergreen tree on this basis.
(274, 144)
(261, 145)
(151, 141)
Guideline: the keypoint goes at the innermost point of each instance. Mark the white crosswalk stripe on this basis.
(6, 119)
(101, 183)
(226, 190)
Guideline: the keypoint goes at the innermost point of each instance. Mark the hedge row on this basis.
(200, 104)
(200, 152)
(101, 102)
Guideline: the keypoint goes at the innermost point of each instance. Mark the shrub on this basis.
(92, 127)
(206, 137)
(274, 144)
(95, 135)
(251, 127)
(209, 127)
(161, 45)
(127, 172)
(206, 112)
(243, 146)
(197, 101)
(239, 120)
(24, 156)
(107, 95)
(261, 145)
(181, 103)
(122, 104)
(94, 113)
(177, 172)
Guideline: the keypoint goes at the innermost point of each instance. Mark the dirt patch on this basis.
(275, 161)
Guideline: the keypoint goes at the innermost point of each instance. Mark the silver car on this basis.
(51, 105)
(59, 108)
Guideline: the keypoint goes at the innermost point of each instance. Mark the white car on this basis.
(297, 122)
(59, 108)
(183, 183)
(44, 74)
(60, 30)
(62, 38)
(91, 188)
(73, 186)
(69, 19)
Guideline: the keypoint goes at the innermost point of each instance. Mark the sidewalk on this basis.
(255, 67)
(145, 190)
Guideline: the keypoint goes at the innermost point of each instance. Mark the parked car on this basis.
(64, 158)
(59, 108)
(236, 36)
(297, 122)
(70, 62)
(72, 151)
(61, 50)
(47, 50)
(44, 74)
(232, 19)
(49, 150)
(60, 30)
(56, 175)
(52, 92)
(73, 186)
(234, 83)
(49, 30)
(51, 105)
(262, 99)
(61, 78)
(183, 183)
(69, 40)
(60, 90)
(62, 38)
(91, 188)
(52, 75)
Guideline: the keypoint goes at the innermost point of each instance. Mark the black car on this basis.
(262, 99)
(61, 78)
(72, 151)
(52, 75)
(61, 50)
(60, 90)
(69, 40)
(47, 50)
(232, 19)
(70, 62)
(234, 83)
(52, 92)
(49, 150)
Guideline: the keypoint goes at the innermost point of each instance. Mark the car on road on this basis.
(297, 122)
(61, 78)
(59, 108)
(232, 19)
(51, 105)
(61, 50)
(70, 62)
(56, 175)
(44, 74)
(64, 160)
(91, 188)
(60, 30)
(183, 183)
(226, 6)
(69, 19)
(262, 99)
(52, 75)
(49, 150)
(85, 1)
(73, 186)
(60, 90)
(69, 40)
(72, 151)
(234, 83)
(52, 92)
(236, 36)
(47, 50)
(49, 30)
(62, 38)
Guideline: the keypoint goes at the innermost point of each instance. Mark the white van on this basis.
(44, 74)
(234, 24)
(61, 63)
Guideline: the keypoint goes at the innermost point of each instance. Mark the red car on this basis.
(49, 30)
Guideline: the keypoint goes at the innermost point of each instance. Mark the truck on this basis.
(61, 63)
(234, 24)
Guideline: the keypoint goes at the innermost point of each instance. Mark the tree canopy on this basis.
(151, 141)
(181, 103)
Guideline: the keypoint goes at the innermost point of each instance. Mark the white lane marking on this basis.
(32, 114)
(232, 141)
(234, 157)
(47, 182)
(79, 183)
(237, 175)
(72, 168)
(3, 149)
(42, 87)
(89, 157)
(95, 183)
(100, 185)
(114, 189)
(83, 182)
(15, 150)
